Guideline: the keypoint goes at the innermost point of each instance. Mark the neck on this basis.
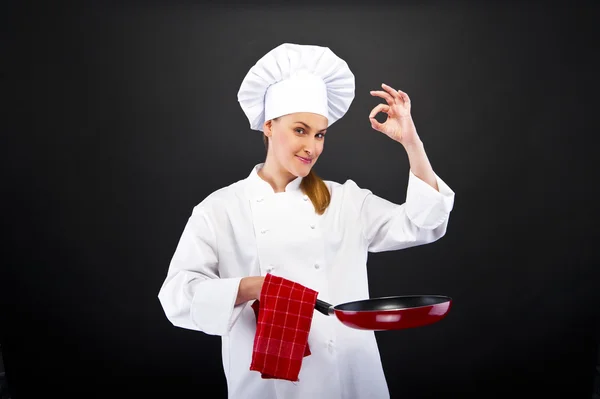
(275, 175)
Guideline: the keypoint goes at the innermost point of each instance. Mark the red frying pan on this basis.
(389, 313)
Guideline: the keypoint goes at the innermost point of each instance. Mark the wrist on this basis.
(257, 287)
(413, 146)
(250, 288)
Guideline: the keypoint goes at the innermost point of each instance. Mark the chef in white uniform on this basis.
(284, 220)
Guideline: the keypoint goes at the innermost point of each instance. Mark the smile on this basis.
(304, 160)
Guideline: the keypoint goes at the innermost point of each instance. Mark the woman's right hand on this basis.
(249, 289)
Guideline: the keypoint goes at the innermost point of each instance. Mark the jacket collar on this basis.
(256, 187)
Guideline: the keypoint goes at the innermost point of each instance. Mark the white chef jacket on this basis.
(246, 229)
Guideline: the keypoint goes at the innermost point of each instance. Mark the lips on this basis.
(304, 160)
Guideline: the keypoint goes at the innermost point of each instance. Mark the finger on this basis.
(379, 108)
(374, 122)
(404, 96)
(376, 125)
(384, 95)
(392, 91)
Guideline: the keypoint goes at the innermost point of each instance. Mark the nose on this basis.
(310, 149)
(311, 146)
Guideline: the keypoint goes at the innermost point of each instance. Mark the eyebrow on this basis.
(308, 127)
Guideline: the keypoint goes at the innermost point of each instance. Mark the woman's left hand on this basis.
(399, 125)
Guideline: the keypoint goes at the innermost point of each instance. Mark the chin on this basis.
(300, 171)
(303, 173)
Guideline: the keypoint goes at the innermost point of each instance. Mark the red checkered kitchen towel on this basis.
(284, 316)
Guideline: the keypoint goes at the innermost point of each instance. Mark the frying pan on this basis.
(389, 313)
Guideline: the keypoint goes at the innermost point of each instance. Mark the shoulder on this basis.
(348, 188)
(347, 195)
(220, 199)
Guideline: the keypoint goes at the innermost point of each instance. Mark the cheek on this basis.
(283, 147)
(289, 144)
(320, 147)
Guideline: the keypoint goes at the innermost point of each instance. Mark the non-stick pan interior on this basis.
(393, 303)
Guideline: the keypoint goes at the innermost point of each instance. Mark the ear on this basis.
(267, 128)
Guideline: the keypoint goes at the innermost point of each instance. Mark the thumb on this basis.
(376, 125)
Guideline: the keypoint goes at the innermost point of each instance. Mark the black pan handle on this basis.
(323, 307)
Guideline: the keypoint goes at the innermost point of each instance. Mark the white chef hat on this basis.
(296, 78)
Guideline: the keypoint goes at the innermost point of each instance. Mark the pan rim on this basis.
(448, 300)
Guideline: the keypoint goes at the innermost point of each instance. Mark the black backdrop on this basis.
(122, 118)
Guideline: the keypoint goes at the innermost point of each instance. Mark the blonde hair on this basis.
(313, 187)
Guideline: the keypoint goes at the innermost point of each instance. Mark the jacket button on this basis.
(317, 266)
(263, 231)
(259, 199)
(269, 269)
(312, 226)
(305, 198)
(330, 346)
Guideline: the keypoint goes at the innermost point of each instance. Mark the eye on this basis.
(322, 136)
(299, 130)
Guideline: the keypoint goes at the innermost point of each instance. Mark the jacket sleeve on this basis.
(421, 219)
(193, 295)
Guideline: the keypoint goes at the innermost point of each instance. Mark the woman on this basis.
(284, 220)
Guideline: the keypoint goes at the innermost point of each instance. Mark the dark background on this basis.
(122, 118)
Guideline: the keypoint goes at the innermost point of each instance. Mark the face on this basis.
(296, 141)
